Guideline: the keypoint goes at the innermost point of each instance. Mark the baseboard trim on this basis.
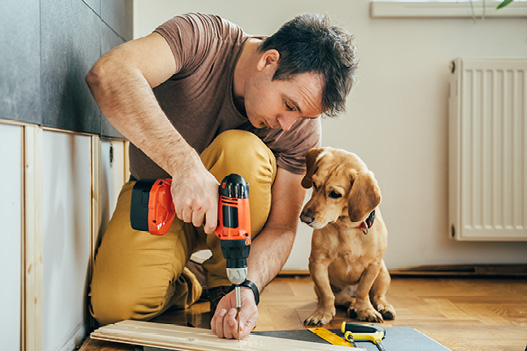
(465, 270)
(293, 272)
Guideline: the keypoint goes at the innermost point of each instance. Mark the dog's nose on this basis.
(306, 218)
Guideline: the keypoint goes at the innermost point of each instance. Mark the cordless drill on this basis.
(152, 210)
(234, 231)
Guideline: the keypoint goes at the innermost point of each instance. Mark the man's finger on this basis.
(186, 215)
(197, 218)
(211, 221)
(218, 322)
(230, 324)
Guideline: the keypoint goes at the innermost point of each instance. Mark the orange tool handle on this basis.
(161, 211)
(234, 218)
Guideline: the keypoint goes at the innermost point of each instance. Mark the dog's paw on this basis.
(352, 314)
(367, 315)
(387, 311)
(320, 317)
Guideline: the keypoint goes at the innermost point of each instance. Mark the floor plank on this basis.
(176, 337)
(460, 313)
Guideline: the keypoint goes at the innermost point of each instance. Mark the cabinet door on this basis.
(11, 234)
(113, 175)
(66, 208)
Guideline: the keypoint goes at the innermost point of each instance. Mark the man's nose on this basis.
(287, 119)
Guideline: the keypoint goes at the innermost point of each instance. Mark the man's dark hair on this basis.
(309, 43)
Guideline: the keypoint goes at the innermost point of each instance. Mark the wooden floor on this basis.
(459, 313)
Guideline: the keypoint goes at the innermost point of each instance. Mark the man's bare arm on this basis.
(121, 83)
(271, 248)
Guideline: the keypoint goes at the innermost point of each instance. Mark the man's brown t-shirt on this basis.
(199, 102)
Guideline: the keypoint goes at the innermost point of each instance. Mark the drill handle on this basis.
(234, 219)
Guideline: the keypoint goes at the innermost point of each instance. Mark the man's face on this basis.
(279, 103)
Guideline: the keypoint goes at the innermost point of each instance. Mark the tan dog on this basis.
(349, 237)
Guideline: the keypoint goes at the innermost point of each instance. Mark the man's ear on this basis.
(269, 57)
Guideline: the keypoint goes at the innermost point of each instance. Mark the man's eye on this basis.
(289, 106)
(334, 195)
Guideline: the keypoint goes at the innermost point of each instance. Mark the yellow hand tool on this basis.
(364, 332)
(329, 336)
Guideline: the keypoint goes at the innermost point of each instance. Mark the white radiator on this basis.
(488, 150)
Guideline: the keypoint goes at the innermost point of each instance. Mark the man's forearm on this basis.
(128, 102)
(269, 252)
(271, 248)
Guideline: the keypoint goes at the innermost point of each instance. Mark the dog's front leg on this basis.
(362, 307)
(325, 311)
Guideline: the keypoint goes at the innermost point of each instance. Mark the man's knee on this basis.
(143, 300)
(115, 305)
(239, 148)
(242, 152)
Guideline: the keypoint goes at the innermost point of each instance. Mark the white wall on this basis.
(397, 114)
(11, 233)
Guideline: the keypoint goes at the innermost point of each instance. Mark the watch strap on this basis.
(249, 284)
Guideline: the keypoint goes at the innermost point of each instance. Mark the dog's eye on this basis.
(334, 195)
(315, 186)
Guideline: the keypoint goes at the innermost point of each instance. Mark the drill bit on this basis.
(238, 306)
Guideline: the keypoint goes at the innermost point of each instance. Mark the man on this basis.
(200, 99)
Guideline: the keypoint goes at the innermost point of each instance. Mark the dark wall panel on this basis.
(95, 5)
(20, 60)
(70, 41)
(118, 15)
(47, 48)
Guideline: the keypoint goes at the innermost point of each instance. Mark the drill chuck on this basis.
(236, 253)
(237, 275)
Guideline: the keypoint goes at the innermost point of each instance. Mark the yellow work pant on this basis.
(138, 275)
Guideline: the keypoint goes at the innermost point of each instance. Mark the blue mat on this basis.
(396, 339)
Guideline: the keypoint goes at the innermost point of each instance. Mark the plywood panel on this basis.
(11, 158)
(112, 177)
(33, 301)
(176, 337)
(66, 238)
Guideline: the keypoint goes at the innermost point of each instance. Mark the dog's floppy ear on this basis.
(365, 195)
(311, 158)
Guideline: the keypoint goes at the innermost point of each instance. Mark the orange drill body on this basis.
(234, 226)
(234, 218)
(152, 210)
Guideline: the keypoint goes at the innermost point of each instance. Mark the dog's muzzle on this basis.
(306, 218)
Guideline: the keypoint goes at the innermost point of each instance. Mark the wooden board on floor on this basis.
(176, 337)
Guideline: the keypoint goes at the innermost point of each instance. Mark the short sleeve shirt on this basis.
(199, 102)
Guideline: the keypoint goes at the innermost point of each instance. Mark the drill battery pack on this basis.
(152, 208)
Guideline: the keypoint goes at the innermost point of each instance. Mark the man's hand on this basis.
(224, 323)
(195, 195)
